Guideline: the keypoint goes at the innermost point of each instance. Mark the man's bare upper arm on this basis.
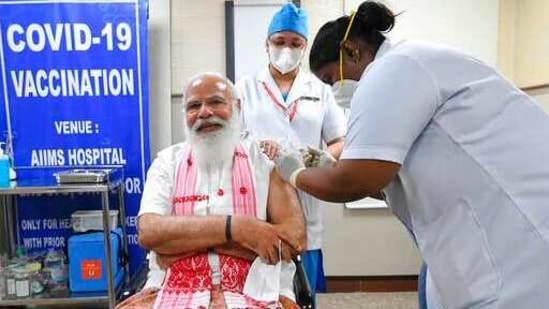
(284, 209)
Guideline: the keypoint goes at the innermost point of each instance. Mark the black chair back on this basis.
(302, 288)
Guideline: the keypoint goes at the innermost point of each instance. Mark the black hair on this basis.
(371, 21)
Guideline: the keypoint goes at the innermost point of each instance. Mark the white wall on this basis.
(531, 55)
(198, 45)
(470, 25)
(506, 38)
(541, 96)
(159, 75)
(198, 39)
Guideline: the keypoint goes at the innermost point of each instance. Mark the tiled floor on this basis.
(371, 284)
(393, 300)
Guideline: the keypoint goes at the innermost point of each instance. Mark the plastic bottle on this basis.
(21, 254)
(9, 152)
(4, 169)
(10, 282)
(36, 280)
(22, 282)
(55, 267)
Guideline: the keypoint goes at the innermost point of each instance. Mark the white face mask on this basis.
(267, 282)
(343, 91)
(285, 59)
(262, 282)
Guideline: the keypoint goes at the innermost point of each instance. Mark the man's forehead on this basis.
(208, 86)
(211, 84)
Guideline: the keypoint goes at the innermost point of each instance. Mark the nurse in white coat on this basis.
(458, 151)
(285, 104)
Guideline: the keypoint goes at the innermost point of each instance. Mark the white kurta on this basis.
(474, 183)
(318, 121)
(159, 191)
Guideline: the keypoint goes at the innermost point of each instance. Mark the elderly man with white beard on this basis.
(216, 215)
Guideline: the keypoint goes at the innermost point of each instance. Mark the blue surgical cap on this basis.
(290, 18)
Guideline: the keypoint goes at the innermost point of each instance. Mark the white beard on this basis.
(215, 148)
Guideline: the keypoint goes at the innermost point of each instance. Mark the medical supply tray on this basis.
(85, 176)
(92, 220)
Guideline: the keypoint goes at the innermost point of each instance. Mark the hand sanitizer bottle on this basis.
(9, 152)
(4, 168)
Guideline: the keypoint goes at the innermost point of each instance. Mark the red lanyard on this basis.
(290, 112)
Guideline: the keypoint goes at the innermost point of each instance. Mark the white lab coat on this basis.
(318, 121)
(473, 187)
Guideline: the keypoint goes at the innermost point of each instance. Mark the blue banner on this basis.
(74, 87)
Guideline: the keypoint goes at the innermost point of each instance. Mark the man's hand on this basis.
(287, 303)
(257, 236)
(289, 164)
(291, 245)
(270, 148)
(287, 252)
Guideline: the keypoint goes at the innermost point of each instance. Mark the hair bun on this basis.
(376, 16)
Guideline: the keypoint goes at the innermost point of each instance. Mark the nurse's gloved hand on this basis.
(289, 163)
(322, 158)
(307, 157)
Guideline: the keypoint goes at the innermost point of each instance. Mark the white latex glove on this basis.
(289, 163)
(322, 158)
(307, 157)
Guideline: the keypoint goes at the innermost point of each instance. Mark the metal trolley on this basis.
(50, 185)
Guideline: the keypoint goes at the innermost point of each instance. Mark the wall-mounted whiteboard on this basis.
(470, 25)
(251, 23)
(366, 203)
